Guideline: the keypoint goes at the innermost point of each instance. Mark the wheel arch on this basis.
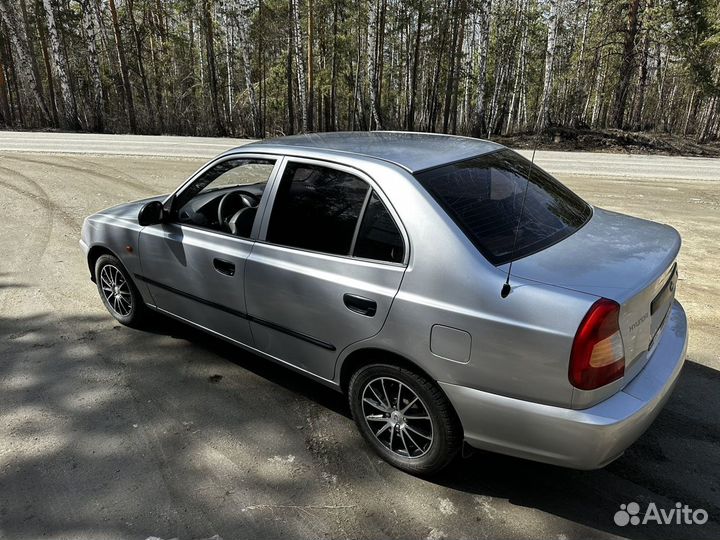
(371, 355)
(94, 253)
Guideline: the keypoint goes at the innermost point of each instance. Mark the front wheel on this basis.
(405, 417)
(118, 292)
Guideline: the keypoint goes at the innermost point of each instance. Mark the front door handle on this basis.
(361, 305)
(224, 267)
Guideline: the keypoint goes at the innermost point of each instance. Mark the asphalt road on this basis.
(560, 163)
(108, 432)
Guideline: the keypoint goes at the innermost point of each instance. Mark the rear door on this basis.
(326, 267)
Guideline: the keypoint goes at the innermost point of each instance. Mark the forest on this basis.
(262, 68)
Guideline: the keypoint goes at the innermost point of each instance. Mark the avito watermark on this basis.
(681, 514)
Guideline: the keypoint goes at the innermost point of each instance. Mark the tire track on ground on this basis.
(107, 167)
(88, 172)
(40, 236)
(41, 197)
(46, 203)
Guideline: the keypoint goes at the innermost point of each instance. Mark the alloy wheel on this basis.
(397, 417)
(116, 290)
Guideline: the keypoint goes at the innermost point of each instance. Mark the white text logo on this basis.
(681, 514)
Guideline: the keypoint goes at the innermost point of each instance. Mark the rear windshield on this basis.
(483, 195)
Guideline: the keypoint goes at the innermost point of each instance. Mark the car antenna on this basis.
(506, 288)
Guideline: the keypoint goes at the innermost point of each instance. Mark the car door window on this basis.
(225, 197)
(317, 208)
(379, 237)
(237, 173)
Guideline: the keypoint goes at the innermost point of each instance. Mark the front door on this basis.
(327, 267)
(194, 263)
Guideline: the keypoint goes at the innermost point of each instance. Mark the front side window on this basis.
(226, 196)
(484, 195)
(240, 173)
(237, 173)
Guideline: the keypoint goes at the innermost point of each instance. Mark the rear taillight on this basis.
(597, 356)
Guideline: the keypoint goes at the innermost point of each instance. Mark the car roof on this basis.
(413, 151)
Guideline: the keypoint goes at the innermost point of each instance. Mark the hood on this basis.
(613, 255)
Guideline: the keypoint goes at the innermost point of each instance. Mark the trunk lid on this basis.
(623, 258)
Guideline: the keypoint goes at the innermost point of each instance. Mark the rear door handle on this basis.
(224, 267)
(361, 305)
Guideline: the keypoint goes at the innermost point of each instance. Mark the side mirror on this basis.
(151, 214)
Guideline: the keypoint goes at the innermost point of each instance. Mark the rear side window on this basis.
(484, 196)
(379, 237)
(317, 208)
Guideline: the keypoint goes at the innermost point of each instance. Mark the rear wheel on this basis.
(405, 417)
(118, 292)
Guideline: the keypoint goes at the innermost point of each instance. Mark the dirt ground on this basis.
(613, 141)
(108, 432)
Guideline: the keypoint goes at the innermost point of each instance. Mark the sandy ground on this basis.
(108, 432)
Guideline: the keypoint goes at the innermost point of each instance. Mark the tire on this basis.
(118, 292)
(399, 434)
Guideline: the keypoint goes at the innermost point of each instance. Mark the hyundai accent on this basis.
(451, 289)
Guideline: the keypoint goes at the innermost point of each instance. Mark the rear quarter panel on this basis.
(520, 345)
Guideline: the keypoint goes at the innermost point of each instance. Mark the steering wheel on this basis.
(231, 203)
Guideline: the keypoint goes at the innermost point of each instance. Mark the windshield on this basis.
(483, 195)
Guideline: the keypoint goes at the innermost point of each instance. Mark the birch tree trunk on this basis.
(628, 60)
(211, 66)
(23, 62)
(288, 75)
(577, 98)
(469, 51)
(4, 101)
(245, 53)
(687, 115)
(543, 118)
(48, 65)
(29, 38)
(599, 90)
(414, 71)
(456, 74)
(130, 4)
(333, 71)
(124, 71)
(358, 113)
(98, 104)
(478, 123)
(310, 62)
(514, 99)
(450, 82)
(70, 117)
(300, 63)
(374, 36)
(157, 51)
(229, 65)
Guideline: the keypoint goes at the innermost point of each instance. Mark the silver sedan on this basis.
(452, 290)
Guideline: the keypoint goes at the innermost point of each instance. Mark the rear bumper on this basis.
(581, 439)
